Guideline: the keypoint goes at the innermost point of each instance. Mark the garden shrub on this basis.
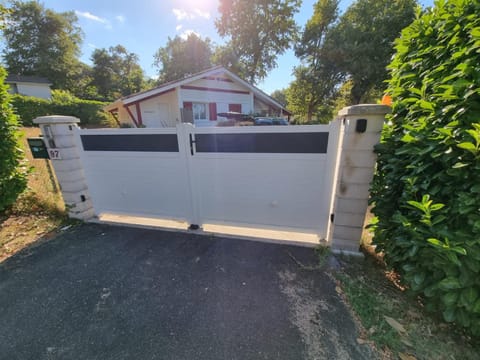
(426, 193)
(89, 112)
(13, 172)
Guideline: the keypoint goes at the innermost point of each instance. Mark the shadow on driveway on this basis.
(105, 292)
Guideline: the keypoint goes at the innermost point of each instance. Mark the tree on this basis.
(280, 96)
(259, 31)
(303, 100)
(41, 42)
(228, 57)
(82, 83)
(310, 48)
(116, 72)
(13, 176)
(312, 92)
(362, 42)
(183, 57)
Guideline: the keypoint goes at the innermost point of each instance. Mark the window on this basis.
(235, 107)
(199, 111)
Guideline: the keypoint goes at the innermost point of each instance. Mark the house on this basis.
(198, 99)
(29, 86)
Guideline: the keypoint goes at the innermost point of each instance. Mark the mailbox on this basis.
(38, 148)
(361, 125)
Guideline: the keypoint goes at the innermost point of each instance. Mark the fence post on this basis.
(363, 126)
(58, 133)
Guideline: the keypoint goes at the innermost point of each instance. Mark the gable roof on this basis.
(130, 99)
(27, 79)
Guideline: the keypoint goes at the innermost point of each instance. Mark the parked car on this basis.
(262, 121)
(231, 115)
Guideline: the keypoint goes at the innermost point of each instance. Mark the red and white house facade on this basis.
(203, 96)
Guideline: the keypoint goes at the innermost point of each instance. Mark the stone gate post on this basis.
(58, 134)
(363, 126)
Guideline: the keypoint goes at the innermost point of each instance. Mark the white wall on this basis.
(218, 97)
(160, 111)
(222, 99)
(37, 90)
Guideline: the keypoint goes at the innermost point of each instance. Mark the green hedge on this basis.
(88, 111)
(13, 171)
(426, 192)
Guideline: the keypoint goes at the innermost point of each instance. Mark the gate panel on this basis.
(269, 177)
(140, 172)
(277, 177)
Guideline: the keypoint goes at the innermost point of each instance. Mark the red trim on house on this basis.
(131, 114)
(114, 113)
(235, 108)
(212, 109)
(188, 105)
(150, 97)
(189, 87)
(139, 113)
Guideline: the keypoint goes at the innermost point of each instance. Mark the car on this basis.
(231, 115)
(262, 121)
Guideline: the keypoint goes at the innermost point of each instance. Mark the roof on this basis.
(133, 98)
(27, 79)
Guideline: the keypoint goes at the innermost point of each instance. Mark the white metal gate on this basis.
(273, 177)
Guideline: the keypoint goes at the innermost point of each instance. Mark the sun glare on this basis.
(203, 5)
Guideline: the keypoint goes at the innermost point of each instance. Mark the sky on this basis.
(143, 26)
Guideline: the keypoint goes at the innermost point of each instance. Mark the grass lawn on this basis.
(38, 212)
(395, 322)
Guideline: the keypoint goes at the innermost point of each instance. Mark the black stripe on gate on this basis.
(134, 142)
(271, 143)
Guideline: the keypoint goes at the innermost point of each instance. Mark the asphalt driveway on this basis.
(106, 292)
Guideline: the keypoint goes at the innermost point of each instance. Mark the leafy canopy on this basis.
(426, 192)
(258, 31)
(41, 42)
(362, 41)
(280, 95)
(312, 92)
(183, 57)
(344, 58)
(303, 100)
(116, 72)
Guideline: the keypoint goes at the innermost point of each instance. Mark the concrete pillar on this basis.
(363, 127)
(58, 134)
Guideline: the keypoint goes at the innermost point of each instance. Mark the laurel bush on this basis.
(426, 193)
